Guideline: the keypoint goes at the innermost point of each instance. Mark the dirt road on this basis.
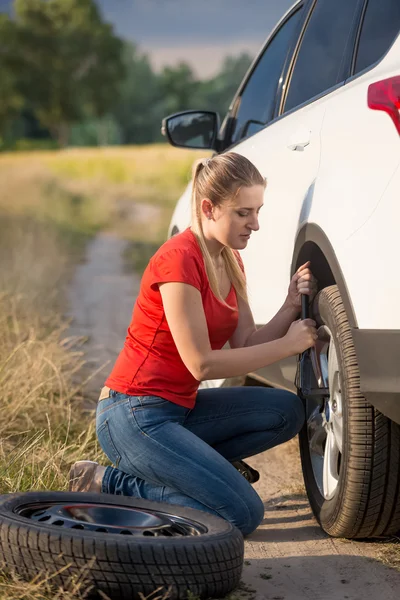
(288, 557)
(101, 297)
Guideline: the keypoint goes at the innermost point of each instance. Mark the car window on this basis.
(380, 27)
(325, 44)
(257, 102)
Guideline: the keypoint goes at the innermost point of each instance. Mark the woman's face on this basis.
(234, 221)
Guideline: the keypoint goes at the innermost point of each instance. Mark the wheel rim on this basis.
(325, 424)
(110, 519)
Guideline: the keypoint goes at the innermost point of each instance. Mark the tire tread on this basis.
(368, 502)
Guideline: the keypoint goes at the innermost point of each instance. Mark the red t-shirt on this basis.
(149, 363)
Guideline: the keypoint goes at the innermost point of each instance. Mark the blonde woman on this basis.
(169, 441)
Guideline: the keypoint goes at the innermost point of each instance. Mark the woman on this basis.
(169, 441)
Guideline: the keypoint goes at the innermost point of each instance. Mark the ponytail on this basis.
(220, 179)
(201, 170)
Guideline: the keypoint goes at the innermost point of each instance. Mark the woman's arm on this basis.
(187, 322)
(247, 334)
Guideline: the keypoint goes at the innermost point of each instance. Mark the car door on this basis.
(287, 152)
(364, 146)
(255, 105)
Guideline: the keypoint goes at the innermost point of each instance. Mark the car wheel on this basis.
(124, 546)
(350, 452)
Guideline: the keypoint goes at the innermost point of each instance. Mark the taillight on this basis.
(385, 95)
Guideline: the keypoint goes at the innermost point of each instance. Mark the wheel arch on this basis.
(313, 245)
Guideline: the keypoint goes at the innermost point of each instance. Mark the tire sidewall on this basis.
(328, 511)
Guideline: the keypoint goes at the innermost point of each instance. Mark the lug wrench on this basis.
(308, 364)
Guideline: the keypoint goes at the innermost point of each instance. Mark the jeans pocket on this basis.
(107, 444)
(152, 411)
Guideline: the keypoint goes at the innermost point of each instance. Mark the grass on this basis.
(131, 191)
(51, 203)
(155, 174)
(389, 552)
(42, 423)
(13, 587)
(41, 419)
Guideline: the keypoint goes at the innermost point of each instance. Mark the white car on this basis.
(319, 114)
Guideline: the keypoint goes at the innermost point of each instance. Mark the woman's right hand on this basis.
(301, 335)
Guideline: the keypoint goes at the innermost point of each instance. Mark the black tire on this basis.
(121, 566)
(366, 502)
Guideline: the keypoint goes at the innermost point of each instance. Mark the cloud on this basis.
(201, 32)
(206, 60)
(158, 21)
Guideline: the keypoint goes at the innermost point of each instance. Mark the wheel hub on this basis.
(111, 519)
(325, 423)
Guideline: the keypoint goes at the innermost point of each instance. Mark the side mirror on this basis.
(192, 129)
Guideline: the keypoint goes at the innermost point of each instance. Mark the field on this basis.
(51, 203)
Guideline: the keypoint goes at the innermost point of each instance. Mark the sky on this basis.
(200, 32)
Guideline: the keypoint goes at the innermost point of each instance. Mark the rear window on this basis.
(380, 27)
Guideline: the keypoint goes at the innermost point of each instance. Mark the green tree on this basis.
(179, 88)
(70, 61)
(217, 93)
(181, 91)
(138, 107)
(11, 100)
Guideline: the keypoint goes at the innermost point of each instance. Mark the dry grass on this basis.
(42, 423)
(40, 420)
(113, 178)
(389, 552)
(131, 191)
(13, 587)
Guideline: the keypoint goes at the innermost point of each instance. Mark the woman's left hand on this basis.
(303, 282)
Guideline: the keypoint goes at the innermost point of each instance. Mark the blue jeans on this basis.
(167, 453)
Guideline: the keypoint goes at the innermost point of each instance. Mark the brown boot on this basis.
(86, 476)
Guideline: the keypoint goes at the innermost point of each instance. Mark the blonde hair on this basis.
(220, 179)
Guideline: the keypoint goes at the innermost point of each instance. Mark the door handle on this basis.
(299, 140)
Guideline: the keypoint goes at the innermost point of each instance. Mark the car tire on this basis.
(353, 480)
(208, 563)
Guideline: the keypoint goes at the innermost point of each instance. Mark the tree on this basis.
(178, 87)
(217, 93)
(138, 107)
(182, 91)
(70, 61)
(11, 100)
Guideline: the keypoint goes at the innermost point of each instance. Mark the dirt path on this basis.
(101, 298)
(288, 557)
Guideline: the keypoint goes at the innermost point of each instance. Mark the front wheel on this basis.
(350, 452)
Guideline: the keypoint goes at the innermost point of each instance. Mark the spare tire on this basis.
(123, 546)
